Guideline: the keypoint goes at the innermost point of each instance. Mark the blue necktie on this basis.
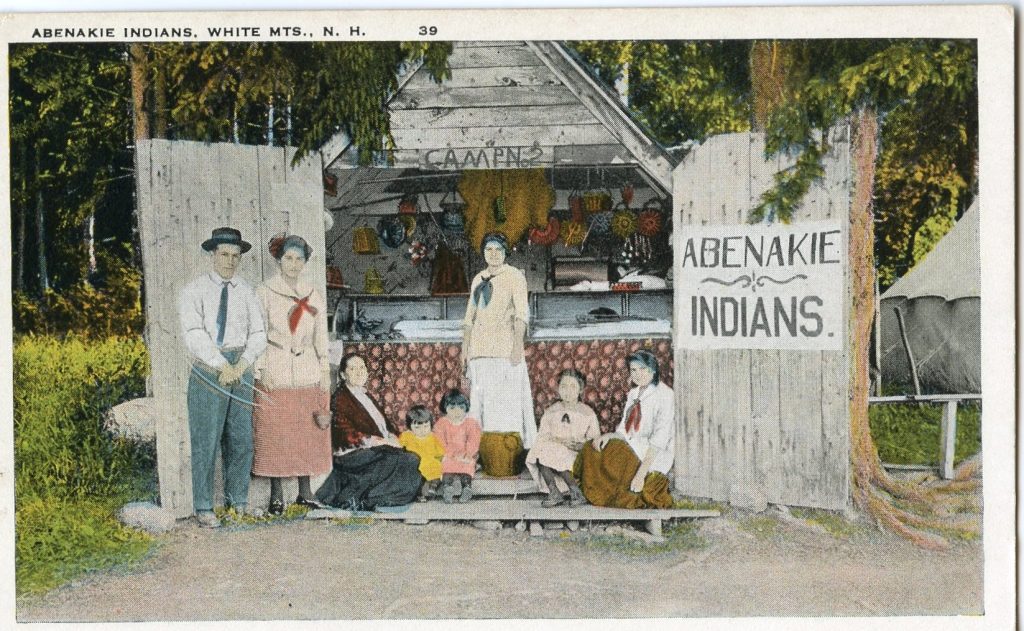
(222, 314)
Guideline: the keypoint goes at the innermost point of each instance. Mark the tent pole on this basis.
(906, 347)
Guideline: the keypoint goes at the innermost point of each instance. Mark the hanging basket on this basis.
(573, 233)
(576, 205)
(548, 235)
(624, 223)
(334, 278)
(597, 201)
(627, 194)
(364, 241)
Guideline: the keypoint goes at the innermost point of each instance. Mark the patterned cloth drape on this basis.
(419, 373)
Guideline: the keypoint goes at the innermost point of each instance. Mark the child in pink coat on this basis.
(460, 436)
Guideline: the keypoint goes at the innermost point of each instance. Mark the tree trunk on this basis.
(159, 103)
(140, 117)
(44, 279)
(19, 278)
(776, 67)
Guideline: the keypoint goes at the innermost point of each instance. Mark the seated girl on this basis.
(564, 429)
(420, 440)
(629, 468)
(370, 468)
(460, 436)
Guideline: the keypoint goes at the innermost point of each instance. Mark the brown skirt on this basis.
(286, 439)
(605, 476)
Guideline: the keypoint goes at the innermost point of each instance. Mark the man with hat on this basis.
(222, 323)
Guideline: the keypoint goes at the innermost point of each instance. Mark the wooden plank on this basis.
(487, 44)
(513, 96)
(495, 76)
(512, 136)
(500, 54)
(608, 110)
(448, 117)
(528, 510)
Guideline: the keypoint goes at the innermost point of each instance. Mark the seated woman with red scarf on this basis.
(370, 468)
(629, 468)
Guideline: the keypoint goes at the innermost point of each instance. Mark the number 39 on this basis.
(428, 30)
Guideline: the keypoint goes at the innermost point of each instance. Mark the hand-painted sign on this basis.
(483, 158)
(762, 287)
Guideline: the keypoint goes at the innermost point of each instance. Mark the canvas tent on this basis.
(941, 305)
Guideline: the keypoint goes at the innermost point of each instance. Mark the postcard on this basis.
(662, 316)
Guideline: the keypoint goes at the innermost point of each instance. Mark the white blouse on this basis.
(657, 425)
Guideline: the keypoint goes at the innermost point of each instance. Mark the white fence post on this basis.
(948, 439)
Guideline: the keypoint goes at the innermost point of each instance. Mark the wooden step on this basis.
(519, 510)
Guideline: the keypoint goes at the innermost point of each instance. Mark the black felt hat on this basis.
(226, 236)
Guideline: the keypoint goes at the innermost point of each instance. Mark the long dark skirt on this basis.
(367, 478)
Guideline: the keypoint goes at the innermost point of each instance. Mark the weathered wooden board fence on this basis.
(186, 189)
(757, 426)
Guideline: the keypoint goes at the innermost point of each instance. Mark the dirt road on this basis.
(731, 566)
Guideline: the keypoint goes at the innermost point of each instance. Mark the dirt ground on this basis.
(736, 565)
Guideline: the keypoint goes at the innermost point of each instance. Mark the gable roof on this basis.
(514, 104)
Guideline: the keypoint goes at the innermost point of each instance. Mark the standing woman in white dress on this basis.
(494, 332)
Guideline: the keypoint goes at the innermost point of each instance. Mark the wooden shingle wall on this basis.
(759, 426)
(186, 189)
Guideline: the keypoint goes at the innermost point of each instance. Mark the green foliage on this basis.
(761, 526)
(834, 523)
(910, 433)
(925, 93)
(97, 311)
(681, 90)
(57, 540)
(70, 475)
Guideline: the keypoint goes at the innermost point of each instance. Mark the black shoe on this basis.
(553, 499)
(276, 507)
(308, 503)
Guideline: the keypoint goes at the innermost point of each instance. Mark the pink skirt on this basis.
(286, 439)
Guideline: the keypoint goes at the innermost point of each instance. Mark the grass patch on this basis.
(760, 526)
(679, 537)
(835, 524)
(57, 542)
(71, 476)
(908, 433)
(687, 503)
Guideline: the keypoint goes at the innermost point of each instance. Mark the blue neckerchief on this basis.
(483, 290)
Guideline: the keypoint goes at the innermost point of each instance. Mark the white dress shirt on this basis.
(657, 425)
(244, 329)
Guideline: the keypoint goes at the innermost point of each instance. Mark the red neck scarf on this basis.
(295, 313)
(633, 419)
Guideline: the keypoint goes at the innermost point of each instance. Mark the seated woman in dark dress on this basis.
(370, 468)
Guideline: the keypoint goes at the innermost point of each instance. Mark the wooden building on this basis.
(754, 425)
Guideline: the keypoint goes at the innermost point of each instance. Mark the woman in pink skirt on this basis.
(292, 416)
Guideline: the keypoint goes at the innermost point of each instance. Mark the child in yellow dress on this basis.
(420, 440)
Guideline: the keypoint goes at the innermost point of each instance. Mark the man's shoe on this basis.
(207, 519)
(276, 507)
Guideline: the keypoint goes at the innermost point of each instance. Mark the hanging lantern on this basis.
(627, 194)
(364, 241)
(624, 223)
(408, 205)
(372, 282)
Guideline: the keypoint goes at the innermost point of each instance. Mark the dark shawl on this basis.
(352, 423)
